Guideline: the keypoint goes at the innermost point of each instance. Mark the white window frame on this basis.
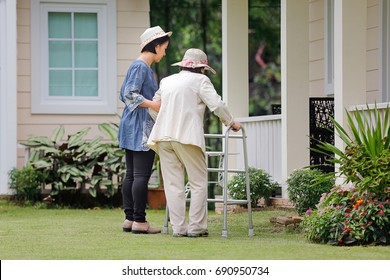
(329, 47)
(384, 52)
(105, 102)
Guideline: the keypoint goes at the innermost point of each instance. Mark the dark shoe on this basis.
(175, 234)
(127, 224)
(144, 228)
(201, 234)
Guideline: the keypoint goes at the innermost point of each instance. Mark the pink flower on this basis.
(308, 211)
(380, 206)
(381, 213)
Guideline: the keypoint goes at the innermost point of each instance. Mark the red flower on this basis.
(381, 213)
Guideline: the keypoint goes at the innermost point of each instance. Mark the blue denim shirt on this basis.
(136, 123)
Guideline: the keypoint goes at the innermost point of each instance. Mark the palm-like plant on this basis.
(365, 161)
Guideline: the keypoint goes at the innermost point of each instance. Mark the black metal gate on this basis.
(321, 109)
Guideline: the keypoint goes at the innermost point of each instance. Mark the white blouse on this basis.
(184, 97)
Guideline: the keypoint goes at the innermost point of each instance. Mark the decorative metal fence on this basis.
(321, 129)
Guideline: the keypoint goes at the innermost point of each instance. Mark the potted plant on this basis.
(156, 194)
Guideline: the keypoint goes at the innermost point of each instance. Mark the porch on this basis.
(264, 142)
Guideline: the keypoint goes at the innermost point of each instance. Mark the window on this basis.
(73, 57)
(329, 47)
(384, 93)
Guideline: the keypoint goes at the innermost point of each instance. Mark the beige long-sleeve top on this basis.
(184, 97)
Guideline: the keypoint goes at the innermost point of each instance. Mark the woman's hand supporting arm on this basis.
(153, 105)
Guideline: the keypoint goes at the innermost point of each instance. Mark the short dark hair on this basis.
(195, 70)
(151, 47)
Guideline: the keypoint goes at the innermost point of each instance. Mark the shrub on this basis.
(358, 214)
(365, 162)
(261, 185)
(346, 218)
(26, 182)
(303, 190)
(71, 165)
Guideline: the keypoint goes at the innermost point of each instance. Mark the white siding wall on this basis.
(132, 18)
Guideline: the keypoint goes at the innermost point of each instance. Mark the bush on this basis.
(358, 212)
(72, 165)
(303, 190)
(26, 182)
(261, 186)
(365, 162)
(346, 218)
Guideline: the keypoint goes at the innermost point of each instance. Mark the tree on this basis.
(198, 24)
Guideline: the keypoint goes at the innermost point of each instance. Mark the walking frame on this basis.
(223, 182)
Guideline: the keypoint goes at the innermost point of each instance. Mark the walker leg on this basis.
(165, 229)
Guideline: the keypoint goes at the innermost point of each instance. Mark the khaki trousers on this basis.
(176, 158)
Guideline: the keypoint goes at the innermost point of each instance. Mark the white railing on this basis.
(364, 109)
(263, 144)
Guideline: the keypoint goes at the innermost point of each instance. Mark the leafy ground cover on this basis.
(31, 233)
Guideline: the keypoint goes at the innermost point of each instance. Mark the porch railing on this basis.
(263, 144)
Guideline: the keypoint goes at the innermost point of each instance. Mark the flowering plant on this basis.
(344, 217)
(358, 214)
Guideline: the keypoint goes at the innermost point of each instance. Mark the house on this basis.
(329, 48)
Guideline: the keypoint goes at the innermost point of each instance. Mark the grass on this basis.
(29, 233)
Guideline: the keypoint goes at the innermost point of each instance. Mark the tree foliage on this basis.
(198, 24)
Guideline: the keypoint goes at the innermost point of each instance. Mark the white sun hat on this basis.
(151, 34)
(194, 58)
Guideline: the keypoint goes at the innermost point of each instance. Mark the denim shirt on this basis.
(136, 123)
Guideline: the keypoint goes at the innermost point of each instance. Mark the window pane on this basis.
(86, 83)
(85, 25)
(60, 83)
(86, 54)
(60, 25)
(60, 54)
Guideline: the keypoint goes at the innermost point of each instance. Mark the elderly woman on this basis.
(178, 138)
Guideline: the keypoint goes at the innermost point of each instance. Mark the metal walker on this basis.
(223, 171)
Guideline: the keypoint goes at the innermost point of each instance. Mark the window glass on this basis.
(60, 54)
(85, 25)
(86, 82)
(60, 82)
(60, 25)
(86, 54)
(73, 46)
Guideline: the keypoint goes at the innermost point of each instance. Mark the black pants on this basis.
(135, 185)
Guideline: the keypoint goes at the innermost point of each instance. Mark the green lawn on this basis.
(28, 233)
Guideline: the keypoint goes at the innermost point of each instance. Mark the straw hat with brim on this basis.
(194, 58)
(151, 34)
